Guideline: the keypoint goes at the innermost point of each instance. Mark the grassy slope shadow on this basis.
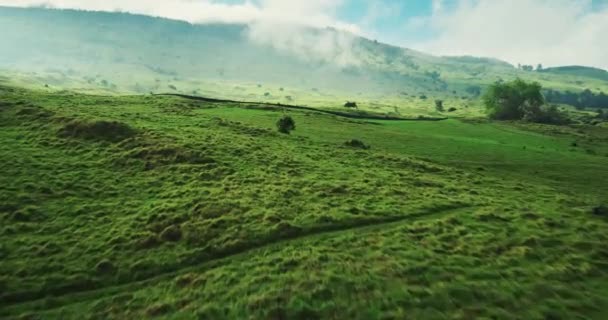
(100, 130)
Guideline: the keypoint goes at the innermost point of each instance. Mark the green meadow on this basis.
(128, 192)
(148, 206)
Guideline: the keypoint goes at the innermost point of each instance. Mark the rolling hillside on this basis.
(580, 71)
(119, 52)
(149, 206)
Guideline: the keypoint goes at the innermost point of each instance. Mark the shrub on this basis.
(286, 124)
(439, 105)
(452, 109)
(350, 105)
(601, 210)
(357, 144)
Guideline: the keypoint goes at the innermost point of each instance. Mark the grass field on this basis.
(150, 206)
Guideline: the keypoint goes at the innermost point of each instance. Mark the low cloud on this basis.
(300, 28)
(552, 32)
(310, 45)
(283, 25)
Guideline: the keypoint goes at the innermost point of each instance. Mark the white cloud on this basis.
(281, 24)
(437, 5)
(318, 13)
(308, 44)
(552, 32)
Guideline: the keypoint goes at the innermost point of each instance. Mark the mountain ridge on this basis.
(131, 53)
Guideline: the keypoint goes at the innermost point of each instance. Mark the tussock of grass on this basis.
(357, 144)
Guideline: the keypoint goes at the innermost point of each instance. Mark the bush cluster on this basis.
(286, 124)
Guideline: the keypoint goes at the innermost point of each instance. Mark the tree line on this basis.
(580, 100)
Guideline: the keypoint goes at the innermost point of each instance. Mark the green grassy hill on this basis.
(150, 206)
(580, 71)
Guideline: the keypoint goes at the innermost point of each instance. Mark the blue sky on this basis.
(356, 10)
(551, 32)
(394, 26)
(390, 25)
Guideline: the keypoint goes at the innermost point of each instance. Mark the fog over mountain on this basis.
(135, 53)
(550, 32)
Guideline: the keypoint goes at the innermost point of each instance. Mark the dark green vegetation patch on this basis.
(133, 207)
(112, 131)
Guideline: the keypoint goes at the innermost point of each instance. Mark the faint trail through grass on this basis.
(367, 225)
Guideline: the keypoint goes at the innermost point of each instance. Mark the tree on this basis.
(525, 67)
(509, 100)
(583, 99)
(539, 67)
(439, 105)
(286, 124)
(520, 100)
